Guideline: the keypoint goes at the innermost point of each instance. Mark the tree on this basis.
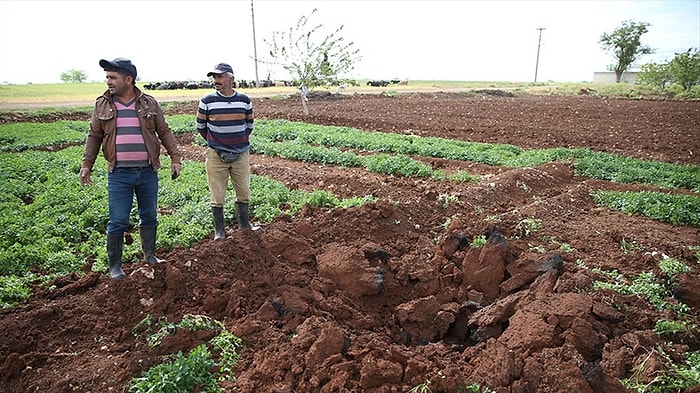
(310, 58)
(625, 42)
(685, 68)
(73, 76)
(656, 75)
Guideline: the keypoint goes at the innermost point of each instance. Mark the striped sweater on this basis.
(131, 148)
(226, 122)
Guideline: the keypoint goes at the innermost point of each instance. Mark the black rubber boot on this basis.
(115, 246)
(148, 244)
(242, 215)
(219, 228)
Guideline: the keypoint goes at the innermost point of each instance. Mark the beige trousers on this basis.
(219, 172)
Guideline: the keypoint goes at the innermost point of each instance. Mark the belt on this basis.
(132, 168)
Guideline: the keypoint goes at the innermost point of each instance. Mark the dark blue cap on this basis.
(120, 63)
(220, 69)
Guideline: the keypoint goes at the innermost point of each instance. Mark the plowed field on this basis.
(384, 297)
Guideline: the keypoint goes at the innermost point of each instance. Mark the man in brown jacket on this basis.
(130, 127)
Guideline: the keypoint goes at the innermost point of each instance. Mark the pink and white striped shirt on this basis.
(131, 148)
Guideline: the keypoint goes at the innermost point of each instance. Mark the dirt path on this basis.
(384, 297)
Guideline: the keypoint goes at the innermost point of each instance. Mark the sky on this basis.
(459, 40)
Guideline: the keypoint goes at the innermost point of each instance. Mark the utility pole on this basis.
(539, 42)
(255, 47)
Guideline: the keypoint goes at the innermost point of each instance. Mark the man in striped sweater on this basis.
(225, 121)
(130, 127)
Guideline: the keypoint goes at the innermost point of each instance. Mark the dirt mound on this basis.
(383, 297)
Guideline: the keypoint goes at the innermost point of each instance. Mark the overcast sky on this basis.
(465, 40)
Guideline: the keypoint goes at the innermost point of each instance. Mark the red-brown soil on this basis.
(383, 297)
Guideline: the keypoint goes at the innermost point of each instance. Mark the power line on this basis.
(255, 47)
(539, 42)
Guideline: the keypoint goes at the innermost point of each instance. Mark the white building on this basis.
(609, 77)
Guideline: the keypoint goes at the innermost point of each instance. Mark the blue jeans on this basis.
(122, 184)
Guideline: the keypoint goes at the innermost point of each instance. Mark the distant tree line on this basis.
(73, 76)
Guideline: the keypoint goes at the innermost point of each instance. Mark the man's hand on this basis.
(85, 176)
(175, 170)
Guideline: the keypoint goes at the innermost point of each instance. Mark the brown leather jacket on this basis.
(103, 131)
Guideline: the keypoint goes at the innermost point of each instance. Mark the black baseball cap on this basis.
(220, 69)
(120, 63)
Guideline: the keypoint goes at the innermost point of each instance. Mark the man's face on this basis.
(117, 83)
(223, 83)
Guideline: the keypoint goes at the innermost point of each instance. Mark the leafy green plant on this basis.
(228, 346)
(685, 68)
(493, 218)
(681, 376)
(528, 227)
(620, 169)
(645, 285)
(447, 199)
(676, 209)
(672, 267)
(477, 388)
(188, 321)
(321, 198)
(523, 186)
(14, 289)
(539, 248)
(667, 327)
(182, 124)
(478, 241)
(565, 247)
(357, 201)
(182, 375)
(462, 177)
(396, 165)
(199, 369)
(629, 246)
(23, 136)
(675, 378)
(421, 388)
(696, 252)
